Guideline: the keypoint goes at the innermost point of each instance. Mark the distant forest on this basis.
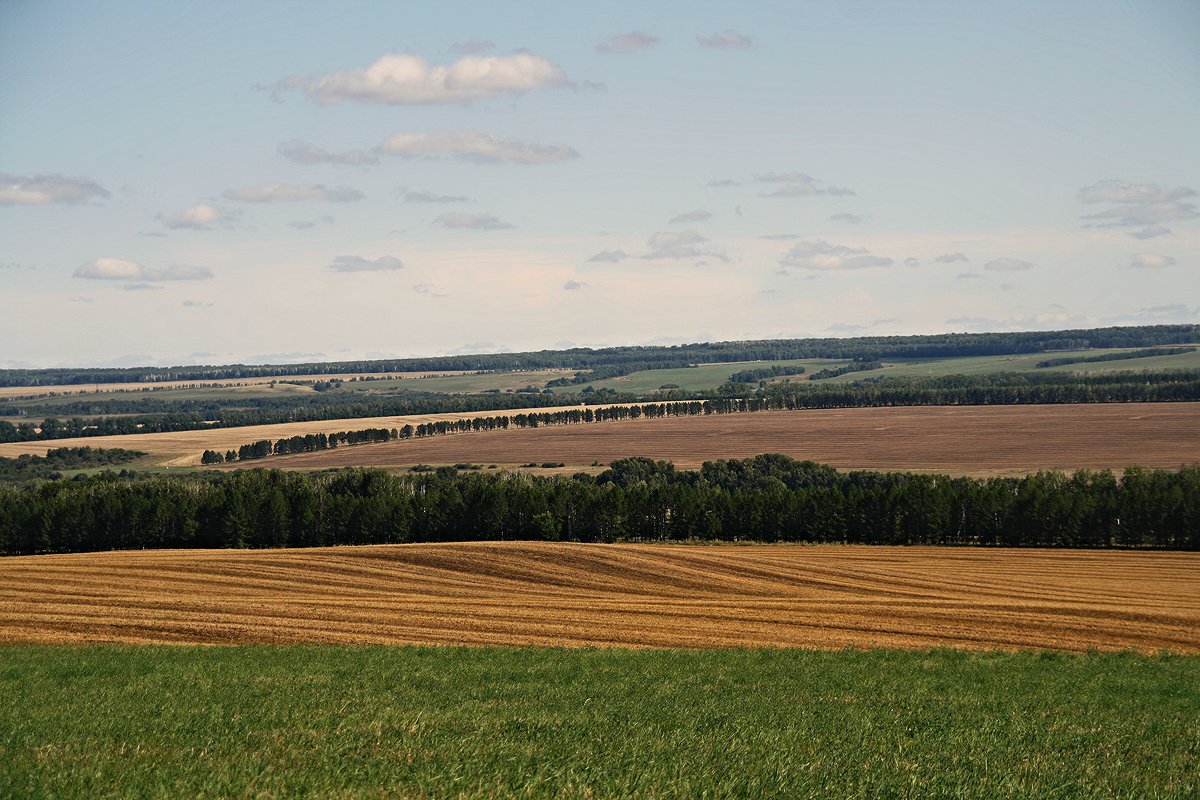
(769, 498)
(610, 361)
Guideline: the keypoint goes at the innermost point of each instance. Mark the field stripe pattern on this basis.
(523, 593)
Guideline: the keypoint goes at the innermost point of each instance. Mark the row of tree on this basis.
(582, 358)
(769, 498)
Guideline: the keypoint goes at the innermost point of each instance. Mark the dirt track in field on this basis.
(975, 440)
(520, 593)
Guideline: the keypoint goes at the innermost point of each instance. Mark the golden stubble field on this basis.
(974, 440)
(525, 593)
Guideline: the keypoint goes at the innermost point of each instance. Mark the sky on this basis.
(218, 182)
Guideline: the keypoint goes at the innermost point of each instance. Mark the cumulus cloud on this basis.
(1114, 191)
(608, 257)
(680, 244)
(1149, 214)
(1007, 265)
(427, 289)
(819, 254)
(42, 190)
(360, 264)
(912, 262)
(699, 215)
(1145, 204)
(472, 47)
(198, 217)
(294, 193)
(1150, 232)
(798, 184)
(571, 286)
(480, 148)
(420, 196)
(627, 43)
(846, 216)
(724, 183)
(951, 258)
(119, 269)
(402, 79)
(1151, 261)
(474, 222)
(305, 153)
(728, 39)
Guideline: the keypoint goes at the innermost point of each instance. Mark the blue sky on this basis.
(185, 182)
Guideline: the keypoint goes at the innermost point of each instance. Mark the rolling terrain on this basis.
(521, 593)
(974, 440)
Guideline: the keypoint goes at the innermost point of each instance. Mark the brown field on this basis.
(11, 392)
(521, 593)
(975, 440)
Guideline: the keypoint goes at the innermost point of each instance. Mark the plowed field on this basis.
(976, 440)
(519, 593)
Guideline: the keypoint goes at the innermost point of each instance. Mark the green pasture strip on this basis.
(700, 378)
(347, 722)
(983, 365)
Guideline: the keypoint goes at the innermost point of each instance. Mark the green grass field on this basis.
(87, 722)
(698, 378)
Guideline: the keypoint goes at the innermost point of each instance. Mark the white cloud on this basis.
(627, 43)
(1145, 214)
(724, 183)
(198, 217)
(912, 262)
(819, 254)
(360, 264)
(680, 244)
(1151, 261)
(294, 193)
(608, 257)
(475, 222)
(571, 286)
(798, 184)
(699, 215)
(305, 153)
(846, 216)
(401, 79)
(42, 190)
(1007, 265)
(951, 258)
(728, 39)
(1114, 191)
(118, 269)
(481, 148)
(1150, 232)
(419, 196)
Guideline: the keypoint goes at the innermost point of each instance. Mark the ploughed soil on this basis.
(548, 594)
(961, 440)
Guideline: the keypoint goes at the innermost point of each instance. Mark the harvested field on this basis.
(522, 593)
(973, 440)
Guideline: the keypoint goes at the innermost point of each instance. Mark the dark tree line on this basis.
(768, 498)
(858, 365)
(48, 467)
(763, 373)
(581, 358)
(1149, 352)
